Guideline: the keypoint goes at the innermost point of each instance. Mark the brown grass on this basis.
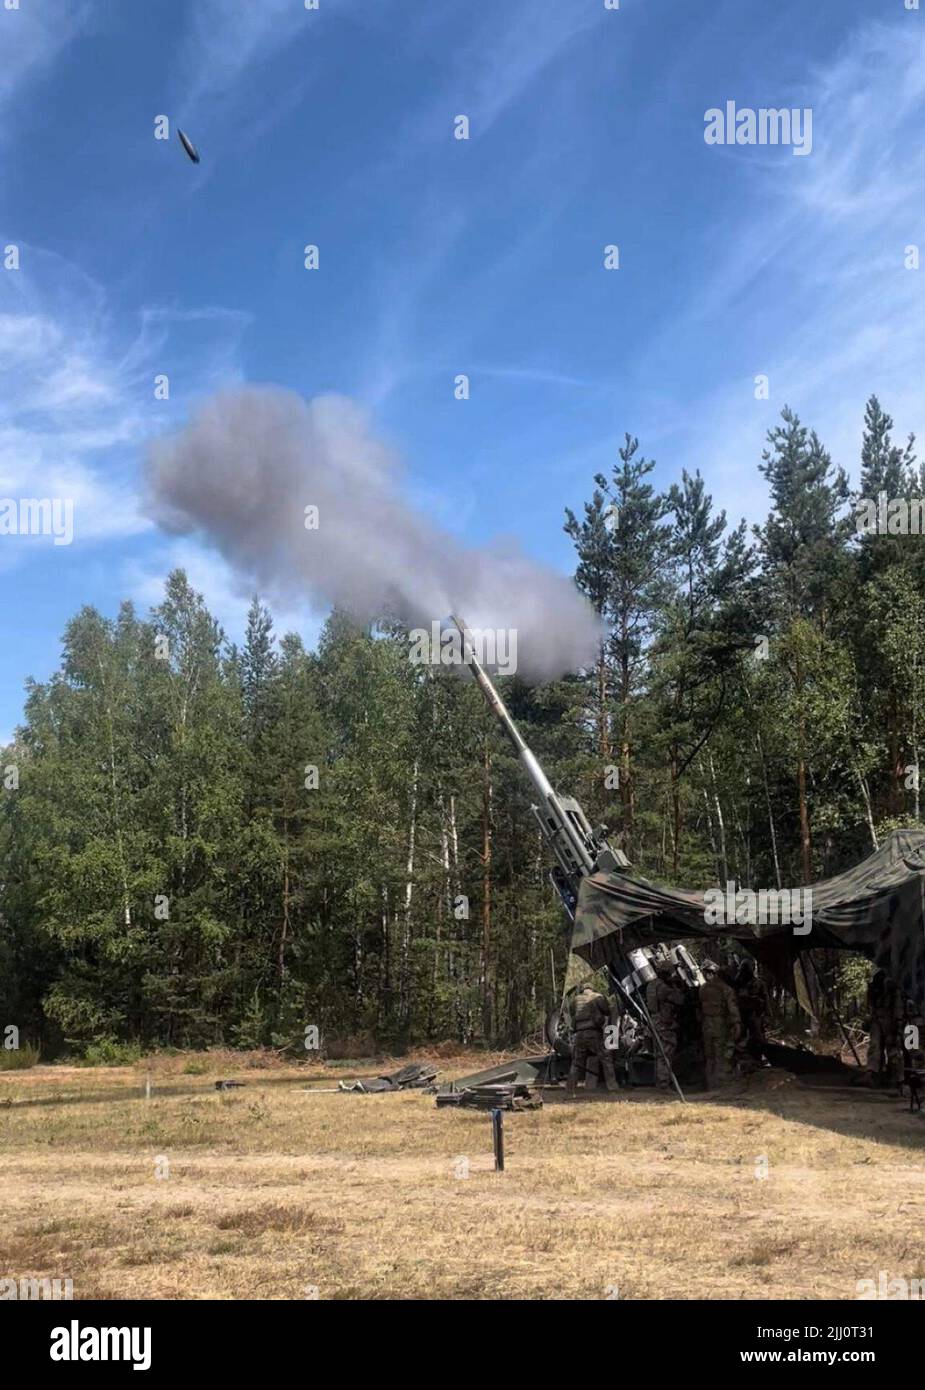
(273, 1192)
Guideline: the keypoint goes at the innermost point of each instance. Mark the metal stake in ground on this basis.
(497, 1138)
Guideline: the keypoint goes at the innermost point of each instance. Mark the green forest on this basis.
(207, 844)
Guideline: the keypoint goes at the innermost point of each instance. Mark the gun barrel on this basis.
(562, 821)
(497, 705)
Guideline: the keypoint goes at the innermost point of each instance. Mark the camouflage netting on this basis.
(876, 908)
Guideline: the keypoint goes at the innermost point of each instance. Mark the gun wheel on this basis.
(559, 1032)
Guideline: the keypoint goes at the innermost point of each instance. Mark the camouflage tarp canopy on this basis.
(876, 908)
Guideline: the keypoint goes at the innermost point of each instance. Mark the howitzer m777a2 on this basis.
(579, 851)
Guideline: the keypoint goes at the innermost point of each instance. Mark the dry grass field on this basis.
(271, 1192)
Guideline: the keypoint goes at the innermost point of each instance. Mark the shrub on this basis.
(108, 1052)
(18, 1058)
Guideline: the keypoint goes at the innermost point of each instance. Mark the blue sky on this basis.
(440, 256)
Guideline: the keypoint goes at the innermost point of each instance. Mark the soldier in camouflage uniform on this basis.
(665, 1000)
(913, 1054)
(754, 1007)
(721, 1023)
(592, 1015)
(884, 1051)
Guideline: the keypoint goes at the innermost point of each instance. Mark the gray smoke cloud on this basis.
(249, 463)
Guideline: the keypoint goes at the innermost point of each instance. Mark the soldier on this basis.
(884, 1051)
(721, 1023)
(592, 1015)
(665, 1000)
(913, 1054)
(754, 1007)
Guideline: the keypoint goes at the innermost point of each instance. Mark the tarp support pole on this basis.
(831, 1003)
(639, 1007)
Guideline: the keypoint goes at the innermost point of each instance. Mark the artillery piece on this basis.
(579, 851)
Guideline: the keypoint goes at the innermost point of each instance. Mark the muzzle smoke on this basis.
(251, 462)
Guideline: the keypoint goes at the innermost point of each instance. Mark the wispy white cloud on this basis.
(483, 78)
(870, 102)
(505, 54)
(223, 86)
(810, 288)
(228, 45)
(77, 394)
(227, 39)
(497, 68)
(542, 376)
(489, 66)
(31, 39)
(390, 360)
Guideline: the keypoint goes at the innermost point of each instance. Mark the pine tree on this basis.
(804, 548)
(623, 550)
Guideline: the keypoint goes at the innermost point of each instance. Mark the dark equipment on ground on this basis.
(510, 1095)
(802, 1062)
(188, 145)
(412, 1077)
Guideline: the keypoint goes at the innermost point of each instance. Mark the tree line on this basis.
(202, 843)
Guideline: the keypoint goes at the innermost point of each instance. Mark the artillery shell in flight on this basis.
(188, 145)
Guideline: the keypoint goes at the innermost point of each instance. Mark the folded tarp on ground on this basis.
(532, 1071)
(407, 1078)
(876, 908)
